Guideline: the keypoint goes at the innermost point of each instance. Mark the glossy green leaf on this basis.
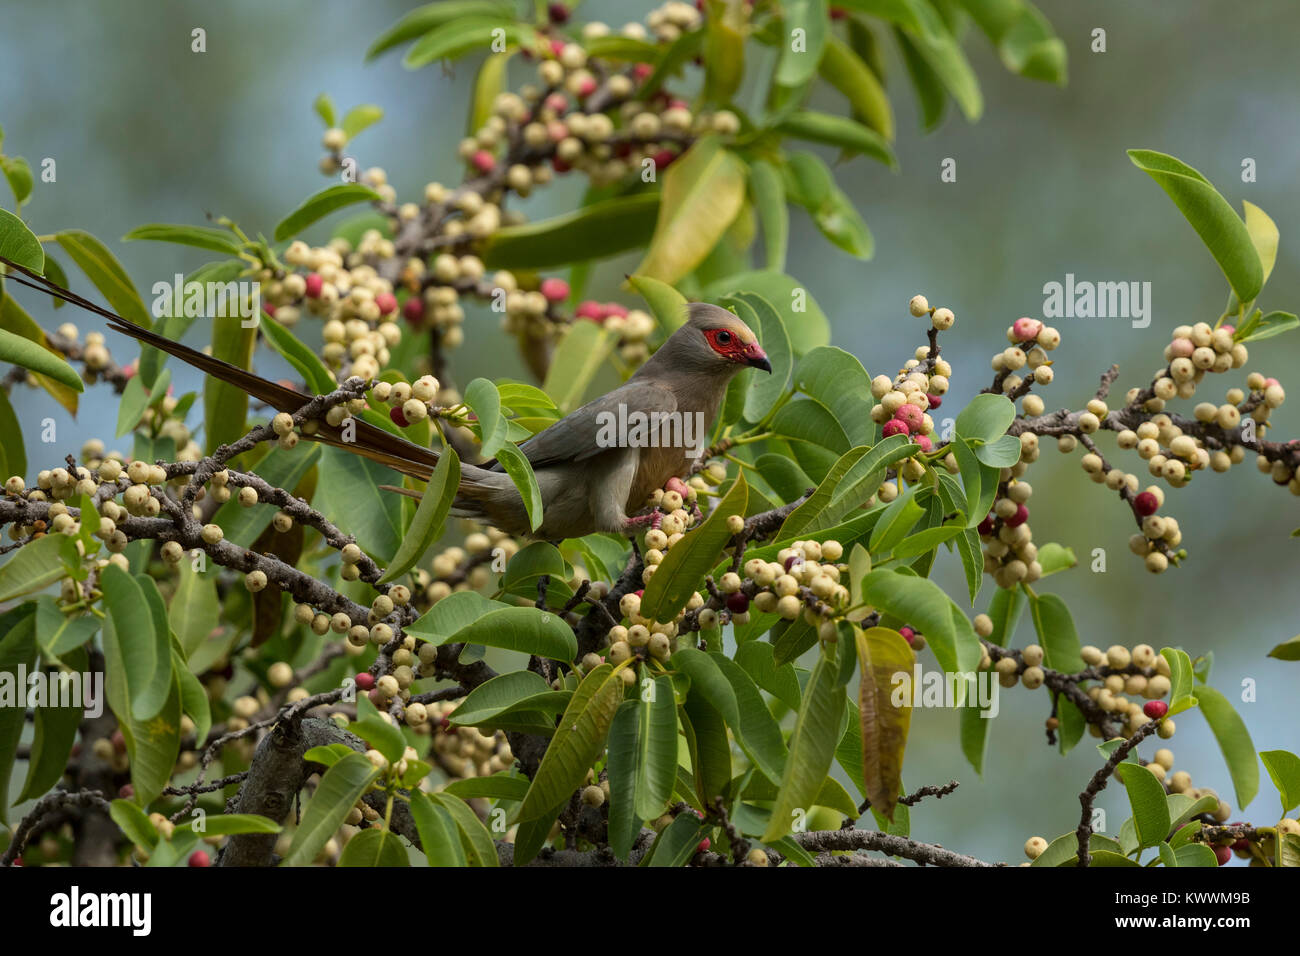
(466, 34)
(843, 69)
(597, 231)
(19, 244)
(1146, 797)
(146, 659)
(424, 19)
(302, 358)
(439, 835)
(338, 791)
(201, 237)
(430, 516)
(32, 567)
(525, 629)
(805, 25)
(1234, 742)
(20, 351)
(360, 118)
(1284, 769)
(321, 205)
(521, 473)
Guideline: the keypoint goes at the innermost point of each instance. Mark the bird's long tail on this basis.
(368, 440)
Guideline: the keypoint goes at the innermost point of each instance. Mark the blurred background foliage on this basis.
(143, 130)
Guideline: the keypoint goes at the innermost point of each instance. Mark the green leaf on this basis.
(13, 454)
(1263, 236)
(302, 358)
(922, 604)
(838, 382)
(360, 118)
(621, 768)
(756, 729)
(656, 746)
(55, 727)
(1284, 769)
(223, 824)
(578, 741)
(1274, 323)
(848, 134)
(1221, 229)
(676, 844)
(58, 633)
(324, 107)
(1054, 557)
(152, 745)
(321, 205)
(536, 560)
(1234, 742)
(597, 231)
(768, 193)
(1023, 38)
(666, 303)
(898, 518)
(194, 698)
(810, 184)
(427, 526)
(497, 786)
(812, 21)
(19, 174)
(525, 629)
(340, 787)
(942, 55)
(281, 468)
(845, 70)
(485, 402)
(986, 418)
(19, 244)
(1064, 850)
(812, 747)
(521, 473)
(809, 421)
(702, 193)
(511, 699)
(474, 837)
(450, 615)
(29, 355)
(682, 571)
(439, 835)
(349, 486)
(106, 273)
(1181, 680)
(1056, 633)
(423, 19)
(195, 610)
(17, 650)
(202, 237)
(1146, 797)
(146, 660)
(463, 35)
(1287, 650)
(1195, 854)
(724, 52)
(383, 736)
(32, 567)
(135, 824)
(374, 847)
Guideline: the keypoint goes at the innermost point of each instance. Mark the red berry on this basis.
(398, 418)
(907, 633)
(128, 370)
(793, 561)
(909, 415)
(1241, 846)
(365, 680)
(1223, 854)
(557, 13)
(894, 427)
(663, 157)
(620, 310)
(589, 310)
(557, 103)
(555, 290)
(387, 302)
(483, 161)
(413, 309)
(642, 71)
(119, 742)
(1146, 503)
(934, 400)
(557, 46)
(704, 845)
(1155, 709)
(314, 284)
(126, 791)
(640, 593)
(1026, 329)
(737, 603)
(200, 858)
(985, 527)
(1017, 519)
(269, 310)
(586, 87)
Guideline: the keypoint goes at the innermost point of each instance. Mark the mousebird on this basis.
(588, 483)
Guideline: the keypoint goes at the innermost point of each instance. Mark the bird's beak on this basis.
(755, 357)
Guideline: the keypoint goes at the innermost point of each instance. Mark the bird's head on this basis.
(717, 339)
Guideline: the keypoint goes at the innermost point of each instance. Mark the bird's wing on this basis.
(371, 442)
(578, 436)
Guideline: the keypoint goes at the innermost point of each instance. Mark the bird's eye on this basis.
(724, 338)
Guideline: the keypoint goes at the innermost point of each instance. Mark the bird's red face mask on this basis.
(729, 345)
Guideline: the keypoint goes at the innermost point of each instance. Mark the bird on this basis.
(588, 483)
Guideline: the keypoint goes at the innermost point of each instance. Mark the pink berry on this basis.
(555, 290)
(557, 47)
(377, 698)
(1269, 382)
(586, 87)
(269, 310)
(129, 370)
(1146, 503)
(935, 400)
(483, 161)
(314, 283)
(556, 131)
(663, 158)
(1026, 328)
(1181, 348)
(365, 680)
(924, 442)
(126, 791)
(894, 427)
(642, 71)
(911, 416)
(737, 603)
(387, 303)
(1017, 519)
(398, 418)
(1223, 854)
(1230, 329)
(200, 858)
(557, 103)
(589, 310)
(1155, 709)
(704, 845)
(907, 633)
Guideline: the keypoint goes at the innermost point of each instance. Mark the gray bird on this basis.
(591, 470)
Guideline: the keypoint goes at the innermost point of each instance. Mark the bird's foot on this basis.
(652, 520)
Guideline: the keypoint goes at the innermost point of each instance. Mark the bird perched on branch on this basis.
(588, 483)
